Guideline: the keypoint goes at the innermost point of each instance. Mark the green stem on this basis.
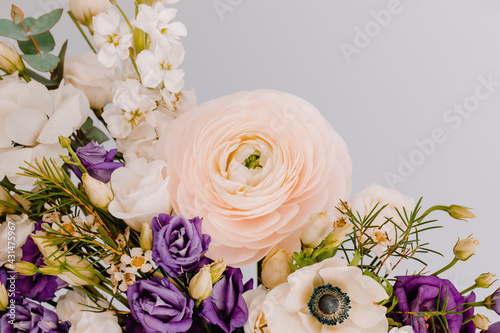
(474, 304)
(135, 67)
(474, 286)
(445, 268)
(126, 18)
(434, 208)
(25, 76)
(81, 31)
(355, 260)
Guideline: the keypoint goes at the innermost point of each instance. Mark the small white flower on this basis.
(161, 67)
(112, 38)
(155, 22)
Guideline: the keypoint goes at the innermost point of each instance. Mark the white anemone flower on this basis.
(31, 120)
(162, 67)
(112, 38)
(155, 21)
(325, 297)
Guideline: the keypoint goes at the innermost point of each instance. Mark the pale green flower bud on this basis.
(465, 248)
(64, 142)
(77, 262)
(146, 238)
(25, 268)
(54, 174)
(275, 268)
(99, 193)
(337, 236)
(200, 286)
(5, 196)
(50, 270)
(217, 269)
(10, 60)
(485, 280)
(4, 298)
(51, 254)
(481, 322)
(460, 212)
(316, 229)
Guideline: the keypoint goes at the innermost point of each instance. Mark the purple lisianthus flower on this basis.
(7, 277)
(38, 287)
(178, 243)
(158, 306)
(493, 301)
(494, 328)
(226, 307)
(427, 293)
(28, 316)
(97, 161)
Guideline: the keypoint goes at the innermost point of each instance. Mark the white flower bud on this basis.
(485, 280)
(146, 238)
(5, 196)
(77, 262)
(217, 269)
(481, 322)
(25, 268)
(275, 268)
(337, 236)
(53, 174)
(316, 229)
(465, 248)
(99, 193)
(4, 298)
(10, 60)
(200, 286)
(460, 212)
(51, 254)
(84, 10)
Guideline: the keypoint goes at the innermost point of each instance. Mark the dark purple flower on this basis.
(178, 243)
(8, 280)
(28, 316)
(494, 328)
(427, 293)
(133, 326)
(97, 161)
(493, 301)
(39, 287)
(226, 307)
(158, 306)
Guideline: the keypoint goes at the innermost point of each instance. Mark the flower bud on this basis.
(99, 193)
(316, 229)
(77, 262)
(200, 286)
(217, 269)
(465, 248)
(64, 142)
(84, 10)
(53, 174)
(492, 302)
(481, 322)
(337, 236)
(4, 298)
(5, 196)
(51, 254)
(275, 268)
(10, 60)
(50, 270)
(25, 268)
(146, 239)
(460, 212)
(485, 280)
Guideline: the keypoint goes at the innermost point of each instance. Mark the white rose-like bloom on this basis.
(254, 299)
(76, 307)
(141, 192)
(87, 74)
(23, 228)
(404, 329)
(290, 306)
(84, 10)
(386, 233)
(250, 204)
(31, 120)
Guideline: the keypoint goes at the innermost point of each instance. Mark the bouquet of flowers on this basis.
(148, 232)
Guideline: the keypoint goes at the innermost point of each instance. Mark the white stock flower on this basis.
(112, 38)
(141, 192)
(22, 227)
(76, 307)
(295, 306)
(161, 67)
(87, 74)
(32, 119)
(155, 22)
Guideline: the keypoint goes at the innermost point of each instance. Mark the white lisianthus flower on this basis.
(384, 234)
(76, 307)
(22, 226)
(32, 119)
(84, 10)
(256, 322)
(155, 21)
(132, 102)
(161, 67)
(141, 192)
(112, 38)
(404, 329)
(326, 297)
(87, 74)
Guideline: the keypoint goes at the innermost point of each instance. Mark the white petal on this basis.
(24, 126)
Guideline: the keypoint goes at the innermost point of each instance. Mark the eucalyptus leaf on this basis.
(45, 42)
(43, 62)
(11, 30)
(45, 22)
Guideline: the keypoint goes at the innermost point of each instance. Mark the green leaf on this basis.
(43, 62)
(44, 41)
(57, 74)
(11, 30)
(50, 84)
(44, 23)
(92, 133)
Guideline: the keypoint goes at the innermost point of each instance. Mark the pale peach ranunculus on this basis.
(303, 168)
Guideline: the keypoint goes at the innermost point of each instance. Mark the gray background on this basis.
(395, 91)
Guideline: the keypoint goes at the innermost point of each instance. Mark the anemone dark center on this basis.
(329, 305)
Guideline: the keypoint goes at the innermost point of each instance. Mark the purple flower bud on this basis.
(28, 316)
(158, 306)
(178, 243)
(493, 301)
(97, 161)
